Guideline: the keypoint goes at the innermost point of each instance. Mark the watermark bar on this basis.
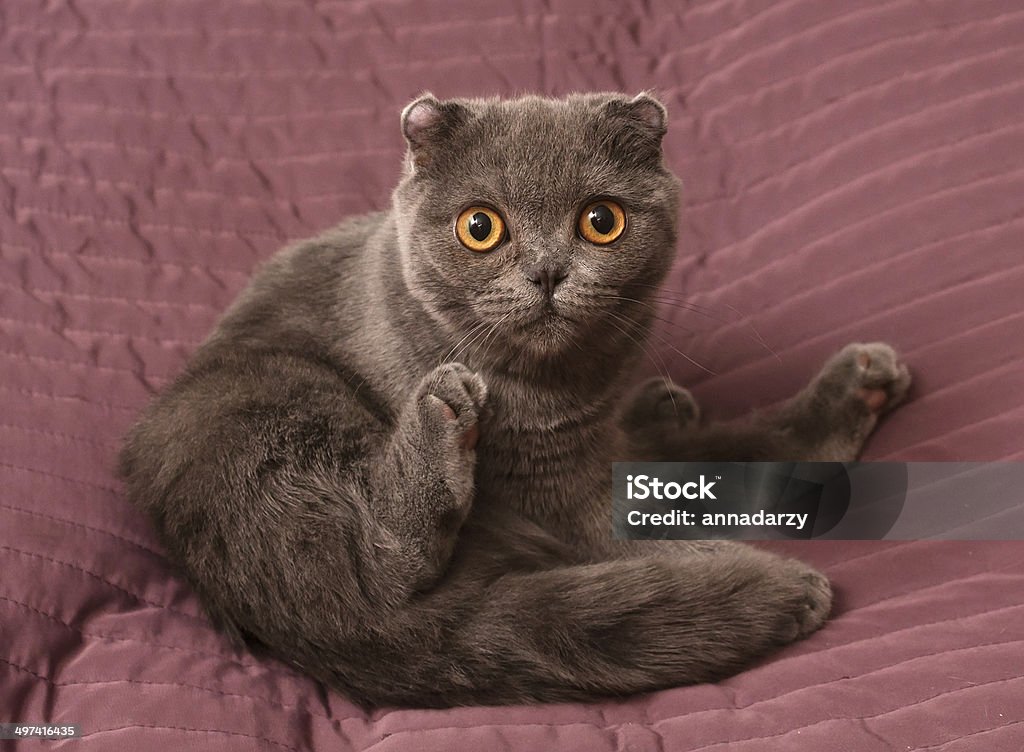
(38, 730)
(818, 500)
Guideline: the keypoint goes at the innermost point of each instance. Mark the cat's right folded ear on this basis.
(426, 123)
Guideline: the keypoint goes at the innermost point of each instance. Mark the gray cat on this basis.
(390, 463)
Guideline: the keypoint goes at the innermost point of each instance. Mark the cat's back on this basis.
(297, 294)
(272, 347)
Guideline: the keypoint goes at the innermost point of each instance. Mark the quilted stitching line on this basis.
(52, 683)
(91, 366)
(269, 74)
(998, 513)
(183, 154)
(824, 110)
(789, 36)
(68, 397)
(839, 146)
(940, 745)
(980, 615)
(82, 525)
(216, 118)
(134, 640)
(903, 451)
(192, 730)
(1009, 365)
(821, 198)
(832, 334)
(77, 481)
(887, 549)
(182, 685)
(909, 354)
(139, 302)
(62, 436)
(103, 580)
(982, 326)
(728, 710)
(868, 717)
(259, 200)
(863, 271)
(191, 343)
(878, 670)
(911, 159)
(160, 226)
(263, 32)
(919, 590)
(896, 40)
(757, 362)
(546, 15)
(209, 270)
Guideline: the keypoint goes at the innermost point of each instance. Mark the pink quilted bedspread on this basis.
(853, 171)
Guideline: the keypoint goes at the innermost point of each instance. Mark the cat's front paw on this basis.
(450, 399)
(659, 412)
(871, 377)
(449, 403)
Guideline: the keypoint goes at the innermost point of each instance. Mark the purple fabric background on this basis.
(853, 170)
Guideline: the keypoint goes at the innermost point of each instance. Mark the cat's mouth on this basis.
(547, 311)
(549, 325)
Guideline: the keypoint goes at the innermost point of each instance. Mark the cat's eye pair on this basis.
(481, 229)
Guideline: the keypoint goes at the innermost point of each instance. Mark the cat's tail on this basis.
(584, 631)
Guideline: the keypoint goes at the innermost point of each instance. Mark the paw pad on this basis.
(873, 373)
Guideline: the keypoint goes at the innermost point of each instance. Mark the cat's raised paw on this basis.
(453, 396)
(871, 373)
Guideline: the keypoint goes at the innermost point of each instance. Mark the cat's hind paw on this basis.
(871, 374)
(809, 601)
(660, 406)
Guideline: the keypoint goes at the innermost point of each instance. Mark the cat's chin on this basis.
(549, 333)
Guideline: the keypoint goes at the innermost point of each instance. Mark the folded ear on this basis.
(643, 111)
(649, 111)
(427, 123)
(639, 125)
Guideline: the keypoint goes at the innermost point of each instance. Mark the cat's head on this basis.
(535, 226)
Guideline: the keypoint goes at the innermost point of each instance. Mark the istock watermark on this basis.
(645, 487)
(828, 500)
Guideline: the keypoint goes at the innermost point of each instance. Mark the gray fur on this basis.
(389, 463)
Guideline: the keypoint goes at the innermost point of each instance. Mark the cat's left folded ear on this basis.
(645, 110)
(427, 122)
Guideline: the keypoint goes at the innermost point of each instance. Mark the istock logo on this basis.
(646, 487)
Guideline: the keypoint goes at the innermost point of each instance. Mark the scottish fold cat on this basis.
(389, 463)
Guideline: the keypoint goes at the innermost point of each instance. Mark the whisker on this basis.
(662, 369)
(684, 355)
(669, 345)
(482, 345)
(757, 334)
(686, 306)
(654, 312)
(473, 329)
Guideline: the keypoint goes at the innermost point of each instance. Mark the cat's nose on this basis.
(547, 277)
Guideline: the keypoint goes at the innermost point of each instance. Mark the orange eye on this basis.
(480, 229)
(602, 222)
